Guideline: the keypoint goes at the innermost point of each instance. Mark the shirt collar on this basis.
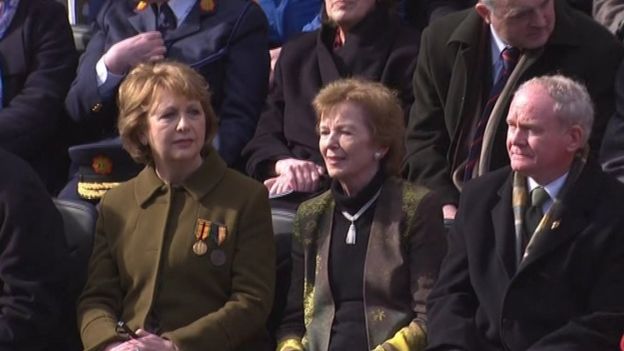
(496, 46)
(551, 188)
(181, 9)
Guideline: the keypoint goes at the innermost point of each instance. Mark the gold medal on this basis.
(200, 248)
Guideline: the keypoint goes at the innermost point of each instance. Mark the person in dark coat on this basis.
(37, 64)
(453, 133)
(225, 40)
(536, 255)
(34, 262)
(360, 40)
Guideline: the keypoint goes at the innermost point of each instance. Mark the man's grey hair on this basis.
(573, 105)
(489, 4)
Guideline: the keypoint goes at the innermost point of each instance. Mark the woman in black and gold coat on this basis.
(367, 252)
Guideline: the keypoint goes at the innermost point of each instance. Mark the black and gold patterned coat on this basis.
(406, 246)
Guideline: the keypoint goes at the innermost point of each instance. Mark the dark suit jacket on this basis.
(403, 257)
(33, 261)
(454, 62)
(229, 47)
(38, 61)
(287, 128)
(566, 295)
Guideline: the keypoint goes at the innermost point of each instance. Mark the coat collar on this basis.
(468, 30)
(202, 181)
(365, 51)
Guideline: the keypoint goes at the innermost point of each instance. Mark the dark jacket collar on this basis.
(198, 184)
(468, 30)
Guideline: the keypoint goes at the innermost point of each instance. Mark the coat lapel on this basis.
(189, 26)
(327, 66)
(468, 70)
(503, 225)
(579, 202)
(323, 301)
(141, 21)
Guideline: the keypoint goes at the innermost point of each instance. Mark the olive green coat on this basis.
(143, 264)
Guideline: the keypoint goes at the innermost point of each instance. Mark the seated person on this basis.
(184, 252)
(284, 151)
(37, 64)
(367, 252)
(226, 41)
(34, 272)
(536, 255)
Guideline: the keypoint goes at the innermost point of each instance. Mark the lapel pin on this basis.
(555, 225)
(140, 6)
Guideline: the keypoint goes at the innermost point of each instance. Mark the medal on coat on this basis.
(202, 230)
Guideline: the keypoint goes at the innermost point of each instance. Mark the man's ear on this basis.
(483, 11)
(576, 134)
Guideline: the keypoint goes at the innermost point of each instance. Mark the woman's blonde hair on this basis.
(383, 113)
(139, 93)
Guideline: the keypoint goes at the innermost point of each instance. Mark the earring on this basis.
(377, 155)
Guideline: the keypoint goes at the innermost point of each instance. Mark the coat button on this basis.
(97, 107)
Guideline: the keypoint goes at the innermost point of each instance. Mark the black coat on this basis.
(33, 262)
(566, 295)
(38, 62)
(379, 48)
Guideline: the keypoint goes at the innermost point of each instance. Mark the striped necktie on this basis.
(510, 56)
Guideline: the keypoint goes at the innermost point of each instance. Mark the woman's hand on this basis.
(145, 342)
(129, 345)
(152, 342)
(295, 175)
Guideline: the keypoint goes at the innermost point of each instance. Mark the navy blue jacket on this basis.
(228, 46)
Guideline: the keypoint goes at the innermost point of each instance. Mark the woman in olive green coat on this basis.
(184, 252)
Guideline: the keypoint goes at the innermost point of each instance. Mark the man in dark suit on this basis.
(33, 262)
(463, 83)
(37, 64)
(225, 40)
(536, 256)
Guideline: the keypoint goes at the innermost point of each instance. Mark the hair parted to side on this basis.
(383, 114)
(573, 104)
(139, 94)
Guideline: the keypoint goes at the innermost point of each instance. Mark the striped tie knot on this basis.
(510, 56)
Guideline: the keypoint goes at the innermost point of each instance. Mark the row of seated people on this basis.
(183, 254)
(439, 143)
(126, 33)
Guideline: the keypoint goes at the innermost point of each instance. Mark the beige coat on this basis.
(144, 271)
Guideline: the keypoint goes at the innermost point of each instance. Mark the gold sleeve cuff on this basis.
(291, 344)
(410, 338)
